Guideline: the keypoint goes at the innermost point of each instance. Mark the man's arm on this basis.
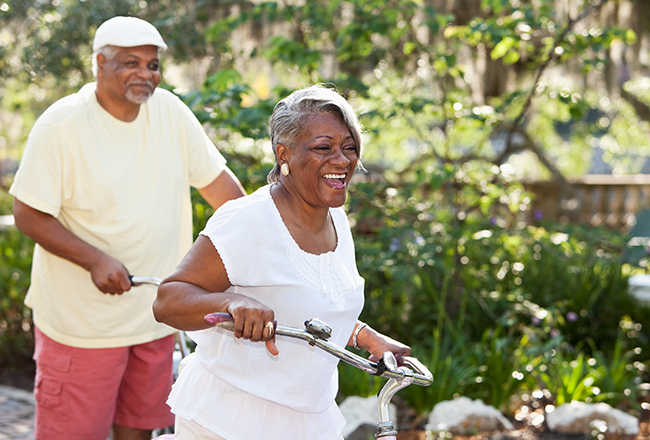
(108, 274)
(225, 187)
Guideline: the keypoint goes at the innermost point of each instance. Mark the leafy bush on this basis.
(452, 369)
(16, 328)
(517, 297)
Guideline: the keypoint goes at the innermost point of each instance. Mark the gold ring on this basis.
(269, 325)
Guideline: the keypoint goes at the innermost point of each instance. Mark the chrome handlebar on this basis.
(313, 334)
(136, 281)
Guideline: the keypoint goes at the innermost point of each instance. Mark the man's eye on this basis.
(154, 66)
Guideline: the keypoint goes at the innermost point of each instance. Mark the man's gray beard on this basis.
(137, 99)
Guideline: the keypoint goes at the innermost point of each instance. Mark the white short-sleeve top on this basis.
(264, 262)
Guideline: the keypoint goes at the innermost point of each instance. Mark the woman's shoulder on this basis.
(242, 212)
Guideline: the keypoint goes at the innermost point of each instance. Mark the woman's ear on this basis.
(283, 153)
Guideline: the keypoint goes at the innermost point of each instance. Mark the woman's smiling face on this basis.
(321, 161)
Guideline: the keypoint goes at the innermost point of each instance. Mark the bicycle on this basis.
(317, 333)
(400, 374)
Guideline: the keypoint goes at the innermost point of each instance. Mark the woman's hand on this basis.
(377, 344)
(253, 321)
(199, 286)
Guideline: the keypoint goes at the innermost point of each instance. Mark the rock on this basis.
(362, 416)
(580, 417)
(464, 416)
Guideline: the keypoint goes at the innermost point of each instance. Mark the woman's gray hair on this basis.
(108, 51)
(290, 117)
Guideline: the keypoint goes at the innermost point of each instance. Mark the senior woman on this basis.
(283, 253)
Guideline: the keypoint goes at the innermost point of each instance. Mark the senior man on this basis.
(104, 190)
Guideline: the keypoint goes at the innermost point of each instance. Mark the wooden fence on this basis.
(597, 200)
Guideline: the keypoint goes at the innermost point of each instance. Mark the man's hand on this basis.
(109, 275)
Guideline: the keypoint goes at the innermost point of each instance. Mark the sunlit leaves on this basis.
(283, 49)
(502, 48)
(221, 104)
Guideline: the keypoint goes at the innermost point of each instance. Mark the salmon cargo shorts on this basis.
(81, 392)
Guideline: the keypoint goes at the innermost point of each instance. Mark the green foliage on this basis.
(452, 369)
(221, 104)
(6, 201)
(618, 374)
(574, 375)
(54, 39)
(567, 379)
(462, 261)
(354, 382)
(16, 328)
(501, 371)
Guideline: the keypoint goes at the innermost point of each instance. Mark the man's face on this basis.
(132, 74)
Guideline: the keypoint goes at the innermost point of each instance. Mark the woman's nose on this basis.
(339, 157)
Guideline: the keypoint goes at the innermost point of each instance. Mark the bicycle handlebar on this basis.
(317, 333)
(387, 367)
(135, 281)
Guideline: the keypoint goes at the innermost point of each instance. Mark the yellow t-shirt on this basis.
(123, 187)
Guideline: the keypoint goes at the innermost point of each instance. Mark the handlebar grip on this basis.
(418, 367)
(223, 320)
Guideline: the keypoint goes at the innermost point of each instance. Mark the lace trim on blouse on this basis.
(333, 274)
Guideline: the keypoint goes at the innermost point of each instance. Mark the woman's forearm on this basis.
(376, 343)
(183, 305)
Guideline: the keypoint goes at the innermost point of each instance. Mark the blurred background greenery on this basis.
(508, 292)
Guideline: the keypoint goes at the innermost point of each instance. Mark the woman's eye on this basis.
(154, 66)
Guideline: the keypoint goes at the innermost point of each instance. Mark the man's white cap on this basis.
(127, 32)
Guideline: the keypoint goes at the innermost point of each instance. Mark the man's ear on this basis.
(101, 60)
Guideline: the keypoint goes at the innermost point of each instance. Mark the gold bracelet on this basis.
(356, 333)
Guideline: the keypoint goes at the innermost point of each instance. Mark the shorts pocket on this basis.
(57, 360)
(47, 393)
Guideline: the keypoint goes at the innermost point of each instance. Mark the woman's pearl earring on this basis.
(284, 169)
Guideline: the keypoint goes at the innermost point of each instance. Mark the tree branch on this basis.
(642, 110)
(530, 144)
(551, 56)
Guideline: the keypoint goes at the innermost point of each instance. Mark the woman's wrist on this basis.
(355, 336)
